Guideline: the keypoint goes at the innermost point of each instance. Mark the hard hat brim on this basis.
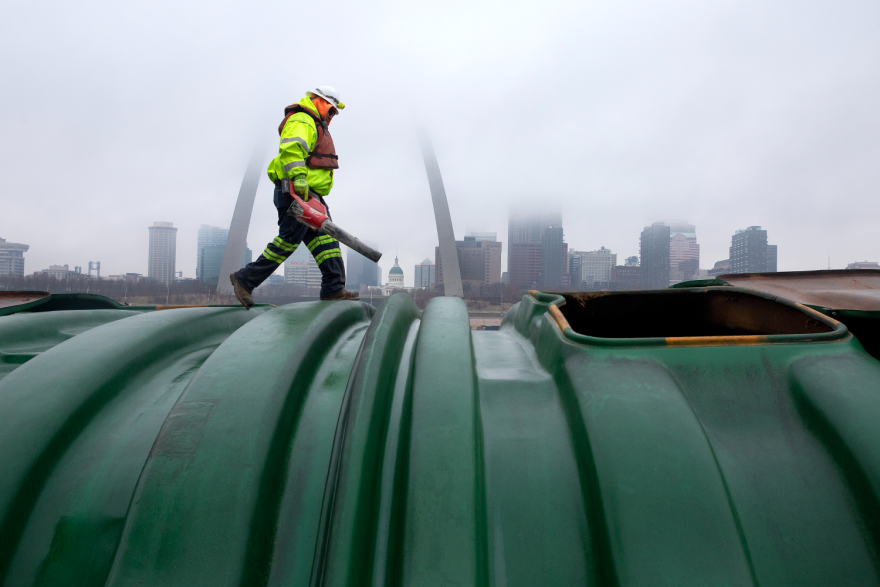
(333, 101)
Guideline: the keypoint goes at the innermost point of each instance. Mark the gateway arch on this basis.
(445, 235)
(244, 206)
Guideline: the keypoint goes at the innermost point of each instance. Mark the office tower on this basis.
(631, 261)
(654, 256)
(211, 245)
(301, 269)
(209, 236)
(575, 279)
(12, 258)
(210, 259)
(566, 277)
(625, 277)
(492, 262)
(771, 258)
(360, 272)
(551, 257)
(483, 236)
(684, 253)
(748, 251)
(479, 262)
(593, 267)
(525, 232)
(424, 275)
(527, 225)
(524, 264)
(302, 273)
(163, 252)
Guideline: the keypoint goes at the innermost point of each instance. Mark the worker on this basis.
(307, 158)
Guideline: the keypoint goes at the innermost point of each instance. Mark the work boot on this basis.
(344, 295)
(243, 295)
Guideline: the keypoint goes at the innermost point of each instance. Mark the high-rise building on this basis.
(492, 262)
(163, 252)
(527, 225)
(591, 267)
(301, 269)
(631, 261)
(424, 274)
(360, 272)
(479, 262)
(625, 277)
(575, 278)
(208, 236)
(525, 233)
(12, 258)
(483, 236)
(749, 251)
(395, 275)
(211, 245)
(524, 264)
(210, 259)
(552, 258)
(654, 256)
(684, 253)
(771, 259)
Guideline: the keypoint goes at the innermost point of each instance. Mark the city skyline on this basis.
(678, 232)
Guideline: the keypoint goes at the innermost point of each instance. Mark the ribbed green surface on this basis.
(65, 301)
(330, 444)
(25, 336)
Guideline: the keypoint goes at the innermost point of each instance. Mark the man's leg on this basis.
(290, 235)
(328, 256)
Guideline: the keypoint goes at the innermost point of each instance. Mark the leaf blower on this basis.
(314, 215)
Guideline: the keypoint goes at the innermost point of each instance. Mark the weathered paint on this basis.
(330, 444)
(850, 296)
(851, 289)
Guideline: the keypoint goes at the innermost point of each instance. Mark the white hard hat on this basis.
(329, 94)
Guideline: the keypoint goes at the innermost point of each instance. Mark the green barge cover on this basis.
(706, 436)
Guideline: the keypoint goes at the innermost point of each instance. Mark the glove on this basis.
(301, 186)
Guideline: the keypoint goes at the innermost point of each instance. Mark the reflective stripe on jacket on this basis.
(298, 138)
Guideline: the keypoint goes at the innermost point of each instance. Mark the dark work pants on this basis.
(292, 234)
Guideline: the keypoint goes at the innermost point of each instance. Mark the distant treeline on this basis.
(112, 288)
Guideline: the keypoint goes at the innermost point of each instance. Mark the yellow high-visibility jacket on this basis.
(298, 138)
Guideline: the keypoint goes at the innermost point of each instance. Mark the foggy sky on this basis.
(724, 114)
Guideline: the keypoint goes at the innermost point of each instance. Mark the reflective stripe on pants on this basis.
(291, 233)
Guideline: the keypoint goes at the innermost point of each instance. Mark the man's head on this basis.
(325, 108)
(326, 100)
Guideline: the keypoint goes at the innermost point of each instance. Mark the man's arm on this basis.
(297, 140)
